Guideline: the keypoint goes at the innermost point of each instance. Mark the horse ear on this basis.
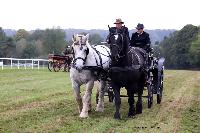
(109, 27)
(73, 38)
(87, 37)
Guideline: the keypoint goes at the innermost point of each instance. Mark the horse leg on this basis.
(116, 90)
(131, 101)
(97, 95)
(100, 104)
(139, 102)
(77, 95)
(87, 99)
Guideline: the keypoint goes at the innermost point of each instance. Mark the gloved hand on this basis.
(148, 48)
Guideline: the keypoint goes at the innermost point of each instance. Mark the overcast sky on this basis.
(97, 14)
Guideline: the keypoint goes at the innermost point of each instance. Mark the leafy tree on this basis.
(37, 40)
(54, 41)
(7, 45)
(39, 47)
(194, 52)
(2, 35)
(36, 35)
(21, 33)
(95, 39)
(178, 46)
(20, 46)
(30, 51)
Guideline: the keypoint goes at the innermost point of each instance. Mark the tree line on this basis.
(38, 44)
(181, 49)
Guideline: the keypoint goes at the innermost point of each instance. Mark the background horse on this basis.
(88, 63)
(126, 71)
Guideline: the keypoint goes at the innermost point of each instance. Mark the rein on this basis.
(90, 67)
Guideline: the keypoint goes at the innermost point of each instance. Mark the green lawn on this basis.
(42, 101)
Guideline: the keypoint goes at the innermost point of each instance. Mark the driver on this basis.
(119, 28)
(141, 38)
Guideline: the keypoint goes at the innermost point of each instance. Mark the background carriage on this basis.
(59, 62)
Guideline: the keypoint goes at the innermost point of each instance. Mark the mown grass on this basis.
(191, 116)
(42, 101)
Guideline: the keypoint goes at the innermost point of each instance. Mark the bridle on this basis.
(79, 58)
(120, 50)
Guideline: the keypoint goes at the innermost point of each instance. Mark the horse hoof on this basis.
(131, 114)
(99, 109)
(84, 115)
(117, 116)
(139, 112)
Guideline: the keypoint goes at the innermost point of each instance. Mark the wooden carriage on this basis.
(59, 62)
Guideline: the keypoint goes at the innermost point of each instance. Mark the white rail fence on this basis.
(22, 63)
(1, 64)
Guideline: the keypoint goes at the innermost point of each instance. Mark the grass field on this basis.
(42, 101)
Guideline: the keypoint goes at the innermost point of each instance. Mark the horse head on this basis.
(80, 50)
(118, 46)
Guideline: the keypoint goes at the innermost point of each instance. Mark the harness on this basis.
(135, 53)
(98, 70)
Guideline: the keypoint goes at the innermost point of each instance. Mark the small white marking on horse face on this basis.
(116, 37)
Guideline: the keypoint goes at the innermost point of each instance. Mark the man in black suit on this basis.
(141, 38)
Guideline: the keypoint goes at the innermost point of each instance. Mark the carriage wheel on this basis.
(63, 67)
(66, 68)
(160, 88)
(50, 66)
(150, 95)
(150, 91)
(56, 67)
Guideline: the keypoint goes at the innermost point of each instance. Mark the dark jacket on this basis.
(123, 30)
(142, 41)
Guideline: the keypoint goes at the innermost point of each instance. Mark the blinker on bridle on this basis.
(80, 42)
(118, 56)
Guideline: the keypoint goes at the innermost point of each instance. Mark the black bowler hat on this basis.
(140, 26)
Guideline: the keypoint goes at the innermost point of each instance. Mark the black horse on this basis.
(126, 70)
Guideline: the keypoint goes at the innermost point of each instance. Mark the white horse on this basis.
(86, 56)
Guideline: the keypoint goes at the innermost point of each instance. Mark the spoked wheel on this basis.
(63, 67)
(56, 67)
(150, 90)
(160, 87)
(50, 66)
(150, 95)
(66, 67)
